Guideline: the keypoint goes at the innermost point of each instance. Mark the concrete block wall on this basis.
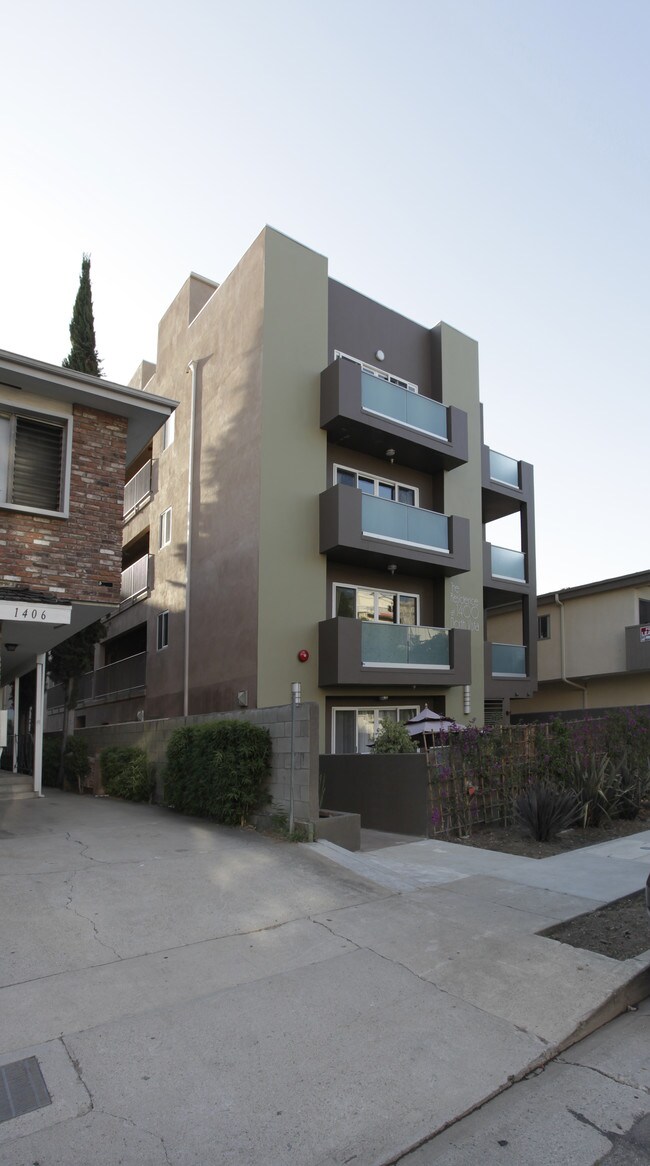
(153, 737)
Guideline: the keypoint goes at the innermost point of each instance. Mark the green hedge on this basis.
(76, 763)
(218, 770)
(126, 773)
(52, 760)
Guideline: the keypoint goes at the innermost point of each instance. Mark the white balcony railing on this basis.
(135, 579)
(137, 489)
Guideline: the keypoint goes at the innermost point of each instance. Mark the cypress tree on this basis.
(83, 353)
(70, 659)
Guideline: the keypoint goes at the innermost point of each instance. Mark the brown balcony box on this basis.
(366, 413)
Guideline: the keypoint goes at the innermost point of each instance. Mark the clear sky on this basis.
(484, 162)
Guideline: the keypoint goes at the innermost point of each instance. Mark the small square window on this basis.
(166, 527)
(543, 627)
(644, 611)
(163, 630)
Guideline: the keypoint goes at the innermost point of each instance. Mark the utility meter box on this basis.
(3, 727)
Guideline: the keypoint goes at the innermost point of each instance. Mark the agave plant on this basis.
(589, 782)
(543, 811)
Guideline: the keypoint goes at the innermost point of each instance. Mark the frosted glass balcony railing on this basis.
(504, 469)
(401, 523)
(402, 646)
(508, 660)
(508, 564)
(401, 405)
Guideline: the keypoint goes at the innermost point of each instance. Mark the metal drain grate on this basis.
(22, 1088)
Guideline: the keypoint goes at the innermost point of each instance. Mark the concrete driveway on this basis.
(195, 994)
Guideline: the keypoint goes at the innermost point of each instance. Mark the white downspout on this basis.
(563, 677)
(38, 724)
(14, 763)
(192, 367)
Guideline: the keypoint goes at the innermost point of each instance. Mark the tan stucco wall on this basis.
(606, 692)
(464, 593)
(292, 579)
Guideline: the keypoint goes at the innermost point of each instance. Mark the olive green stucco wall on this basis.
(292, 573)
(455, 359)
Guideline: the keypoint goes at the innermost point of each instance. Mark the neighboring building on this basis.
(322, 488)
(593, 647)
(65, 439)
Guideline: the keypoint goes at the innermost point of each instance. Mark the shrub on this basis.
(543, 811)
(76, 763)
(52, 760)
(393, 737)
(218, 770)
(126, 773)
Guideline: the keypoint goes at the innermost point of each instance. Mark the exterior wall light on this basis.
(303, 655)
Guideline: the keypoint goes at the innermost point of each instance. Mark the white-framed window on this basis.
(376, 604)
(380, 487)
(169, 431)
(166, 527)
(380, 373)
(354, 729)
(35, 457)
(163, 630)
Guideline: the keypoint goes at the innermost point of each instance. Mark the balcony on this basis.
(637, 648)
(368, 414)
(362, 529)
(507, 661)
(507, 484)
(136, 579)
(121, 679)
(137, 491)
(504, 470)
(355, 651)
(504, 570)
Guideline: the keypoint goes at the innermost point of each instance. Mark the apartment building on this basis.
(593, 647)
(316, 511)
(65, 439)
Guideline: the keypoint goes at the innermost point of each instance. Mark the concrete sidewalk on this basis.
(201, 995)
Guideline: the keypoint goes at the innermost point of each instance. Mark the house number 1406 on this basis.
(27, 614)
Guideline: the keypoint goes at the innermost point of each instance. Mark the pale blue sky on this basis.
(485, 162)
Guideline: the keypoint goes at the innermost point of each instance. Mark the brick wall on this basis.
(153, 736)
(71, 557)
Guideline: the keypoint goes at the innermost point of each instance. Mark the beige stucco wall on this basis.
(464, 593)
(292, 573)
(600, 692)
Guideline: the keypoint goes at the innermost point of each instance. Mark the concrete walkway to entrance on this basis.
(198, 995)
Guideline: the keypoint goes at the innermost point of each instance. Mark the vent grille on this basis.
(38, 456)
(493, 712)
(22, 1088)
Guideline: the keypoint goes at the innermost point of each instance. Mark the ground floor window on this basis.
(353, 730)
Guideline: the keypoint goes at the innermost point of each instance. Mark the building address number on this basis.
(52, 613)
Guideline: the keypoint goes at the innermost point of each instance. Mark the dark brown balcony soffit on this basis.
(351, 427)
